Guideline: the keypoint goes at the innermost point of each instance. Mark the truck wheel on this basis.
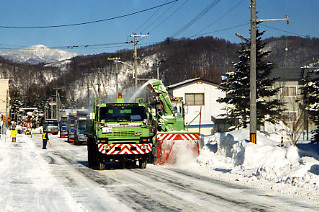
(142, 163)
(101, 165)
(123, 163)
(152, 156)
(92, 153)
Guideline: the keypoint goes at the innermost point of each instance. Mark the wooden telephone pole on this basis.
(135, 36)
(253, 91)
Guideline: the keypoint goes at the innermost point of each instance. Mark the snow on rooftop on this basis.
(183, 82)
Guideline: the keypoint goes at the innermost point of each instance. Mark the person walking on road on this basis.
(45, 139)
(13, 134)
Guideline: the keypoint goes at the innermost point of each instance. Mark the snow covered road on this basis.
(58, 179)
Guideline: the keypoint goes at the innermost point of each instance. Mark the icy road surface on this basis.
(58, 179)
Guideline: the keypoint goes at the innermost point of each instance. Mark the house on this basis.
(201, 107)
(290, 80)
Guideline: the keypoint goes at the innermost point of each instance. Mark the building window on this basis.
(289, 91)
(292, 116)
(194, 99)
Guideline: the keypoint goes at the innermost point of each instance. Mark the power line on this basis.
(89, 45)
(169, 16)
(220, 30)
(88, 22)
(160, 16)
(292, 33)
(222, 16)
(209, 7)
(148, 19)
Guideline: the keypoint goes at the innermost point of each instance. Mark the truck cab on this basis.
(63, 126)
(80, 127)
(51, 126)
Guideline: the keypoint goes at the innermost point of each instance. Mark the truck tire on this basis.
(123, 163)
(101, 165)
(76, 142)
(142, 163)
(92, 153)
(152, 156)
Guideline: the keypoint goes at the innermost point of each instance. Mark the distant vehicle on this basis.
(63, 127)
(52, 126)
(20, 129)
(71, 127)
(80, 127)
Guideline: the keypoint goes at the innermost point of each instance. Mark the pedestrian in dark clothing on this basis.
(45, 139)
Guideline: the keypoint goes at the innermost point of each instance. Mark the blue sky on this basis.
(222, 20)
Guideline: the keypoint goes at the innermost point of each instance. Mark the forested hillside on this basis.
(206, 57)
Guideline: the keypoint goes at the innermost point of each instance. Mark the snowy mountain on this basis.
(37, 54)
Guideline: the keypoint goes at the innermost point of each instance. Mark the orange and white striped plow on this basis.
(175, 148)
(124, 149)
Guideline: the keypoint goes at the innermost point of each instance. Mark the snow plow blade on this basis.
(175, 147)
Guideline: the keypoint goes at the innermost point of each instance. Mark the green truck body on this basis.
(119, 132)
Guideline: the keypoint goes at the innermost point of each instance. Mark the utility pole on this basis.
(158, 62)
(52, 111)
(88, 88)
(253, 90)
(116, 61)
(98, 83)
(7, 105)
(57, 107)
(135, 54)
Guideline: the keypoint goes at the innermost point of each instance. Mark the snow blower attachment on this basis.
(173, 143)
(176, 147)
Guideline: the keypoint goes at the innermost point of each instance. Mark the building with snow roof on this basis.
(200, 97)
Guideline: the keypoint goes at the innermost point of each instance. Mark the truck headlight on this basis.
(144, 147)
(106, 147)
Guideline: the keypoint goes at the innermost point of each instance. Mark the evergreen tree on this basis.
(310, 91)
(237, 87)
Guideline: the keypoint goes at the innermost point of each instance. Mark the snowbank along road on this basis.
(59, 179)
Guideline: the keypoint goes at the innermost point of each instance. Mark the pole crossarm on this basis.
(274, 19)
(138, 35)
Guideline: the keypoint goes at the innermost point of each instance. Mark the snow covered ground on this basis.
(289, 170)
(292, 171)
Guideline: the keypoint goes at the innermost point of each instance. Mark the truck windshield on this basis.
(120, 113)
(52, 124)
(82, 124)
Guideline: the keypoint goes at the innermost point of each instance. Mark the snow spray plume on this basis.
(184, 153)
(138, 92)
